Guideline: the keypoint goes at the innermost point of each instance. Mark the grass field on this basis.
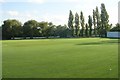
(61, 58)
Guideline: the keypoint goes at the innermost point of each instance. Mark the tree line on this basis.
(97, 26)
(31, 28)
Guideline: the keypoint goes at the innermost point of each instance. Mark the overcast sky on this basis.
(56, 11)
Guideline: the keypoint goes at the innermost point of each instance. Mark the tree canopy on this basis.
(11, 28)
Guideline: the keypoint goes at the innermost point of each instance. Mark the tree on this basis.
(77, 24)
(50, 24)
(90, 25)
(44, 26)
(104, 21)
(116, 28)
(86, 30)
(47, 32)
(82, 21)
(53, 30)
(94, 22)
(0, 33)
(48, 29)
(61, 31)
(30, 28)
(98, 22)
(11, 29)
(70, 23)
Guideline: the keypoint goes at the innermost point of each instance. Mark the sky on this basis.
(56, 11)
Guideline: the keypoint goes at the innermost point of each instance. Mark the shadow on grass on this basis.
(101, 42)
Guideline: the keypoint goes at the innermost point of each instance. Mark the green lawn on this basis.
(60, 58)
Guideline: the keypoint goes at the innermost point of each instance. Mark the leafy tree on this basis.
(0, 33)
(70, 23)
(61, 31)
(48, 29)
(82, 21)
(50, 24)
(94, 22)
(43, 27)
(52, 31)
(90, 25)
(98, 21)
(104, 21)
(47, 32)
(116, 28)
(77, 24)
(11, 29)
(30, 28)
(86, 30)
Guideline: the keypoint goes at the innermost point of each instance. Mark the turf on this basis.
(60, 58)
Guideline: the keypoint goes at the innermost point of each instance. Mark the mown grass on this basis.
(61, 58)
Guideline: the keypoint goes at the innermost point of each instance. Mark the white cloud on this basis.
(32, 1)
(57, 19)
(2, 1)
(28, 15)
(37, 1)
(13, 13)
(72, 0)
